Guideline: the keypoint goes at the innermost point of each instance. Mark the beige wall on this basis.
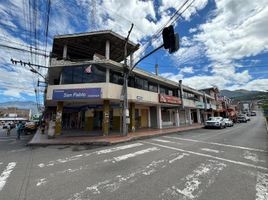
(110, 91)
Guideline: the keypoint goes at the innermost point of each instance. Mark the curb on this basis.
(104, 143)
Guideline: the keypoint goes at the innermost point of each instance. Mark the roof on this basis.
(85, 45)
(214, 88)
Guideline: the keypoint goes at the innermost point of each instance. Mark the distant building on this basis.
(13, 112)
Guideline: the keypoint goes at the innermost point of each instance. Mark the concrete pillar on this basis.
(106, 118)
(190, 117)
(159, 116)
(177, 118)
(107, 49)
(58, 118)
(149, 118)
(132, 117)
(198, 116)
(64, 55)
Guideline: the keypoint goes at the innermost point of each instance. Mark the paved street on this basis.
(231, 163)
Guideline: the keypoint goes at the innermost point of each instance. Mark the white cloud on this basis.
(188, 70)
(238, 30)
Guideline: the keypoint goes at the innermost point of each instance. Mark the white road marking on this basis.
(131, 155)
(210, 150)
(219, 144)
(210, 156)
(79, 156)
(189, 187)
(164, 141)
(252, 156)
(17, 150)
(262, 186)
(41, 181)
(179, 157)
(112, 185)
(6, 173)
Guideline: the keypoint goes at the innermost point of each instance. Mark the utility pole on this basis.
(126, 119)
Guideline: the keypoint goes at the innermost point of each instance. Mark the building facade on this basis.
(84, 89)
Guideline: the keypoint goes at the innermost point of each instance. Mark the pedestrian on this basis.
(43, 126)
(8, 129)
(19, 128)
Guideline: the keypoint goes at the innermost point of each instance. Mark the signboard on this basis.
(169, 99)
(80, 93)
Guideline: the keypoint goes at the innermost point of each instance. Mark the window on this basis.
(76, 74)
(138, 83)
(116, 78)
(152, 87)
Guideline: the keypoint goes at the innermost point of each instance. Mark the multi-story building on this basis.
(85, 81)
(13, 112)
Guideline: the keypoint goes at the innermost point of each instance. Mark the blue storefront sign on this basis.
(81, 93)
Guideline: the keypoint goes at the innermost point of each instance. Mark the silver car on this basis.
(228, 122)
(215, 122)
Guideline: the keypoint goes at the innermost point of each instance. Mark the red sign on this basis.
(169, 99)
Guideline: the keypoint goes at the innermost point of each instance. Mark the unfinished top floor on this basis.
(85, 46)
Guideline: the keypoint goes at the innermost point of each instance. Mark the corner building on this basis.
(85, 79)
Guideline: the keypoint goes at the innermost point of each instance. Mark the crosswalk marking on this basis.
(79, 156)
(131, 155)
(113, 184)
(218, 144)
(262, 186)
(6, 173)
(210, 150)
(190, 186)
(210, 156)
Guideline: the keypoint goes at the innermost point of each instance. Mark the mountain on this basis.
(21, 104)
(238, 93)
(244, 94)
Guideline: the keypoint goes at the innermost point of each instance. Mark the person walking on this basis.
(8, 129)
(19, 128)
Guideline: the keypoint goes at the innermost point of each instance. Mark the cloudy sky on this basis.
(223, 43)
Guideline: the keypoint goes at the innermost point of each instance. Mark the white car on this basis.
(215, 122)
(228, 122)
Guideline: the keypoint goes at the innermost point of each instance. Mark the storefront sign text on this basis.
(81, 93)
(169, 99)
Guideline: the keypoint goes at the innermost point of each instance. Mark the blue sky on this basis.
(223, 43)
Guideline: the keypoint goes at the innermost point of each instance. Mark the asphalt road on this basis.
(224, 164)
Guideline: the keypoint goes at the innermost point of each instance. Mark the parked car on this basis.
(29, 127)
(228, 122)
(253, 113)
(215, 122)
(242, 118)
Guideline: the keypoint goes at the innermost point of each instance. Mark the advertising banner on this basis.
(80, 93)
(169, 99)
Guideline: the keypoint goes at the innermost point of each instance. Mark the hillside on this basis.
(244, 94)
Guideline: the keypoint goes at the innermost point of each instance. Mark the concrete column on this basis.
(190, 117)
(177, 118)
(159, 116)
(198, 116)
(107, 49)
(149, 118)
(132, 117)
(106, 119)
(58, 118)
(64, 55)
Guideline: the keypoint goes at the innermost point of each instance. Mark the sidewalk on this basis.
(42, 140)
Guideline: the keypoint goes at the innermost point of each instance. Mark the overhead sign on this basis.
(80, 93)
(169, 99)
